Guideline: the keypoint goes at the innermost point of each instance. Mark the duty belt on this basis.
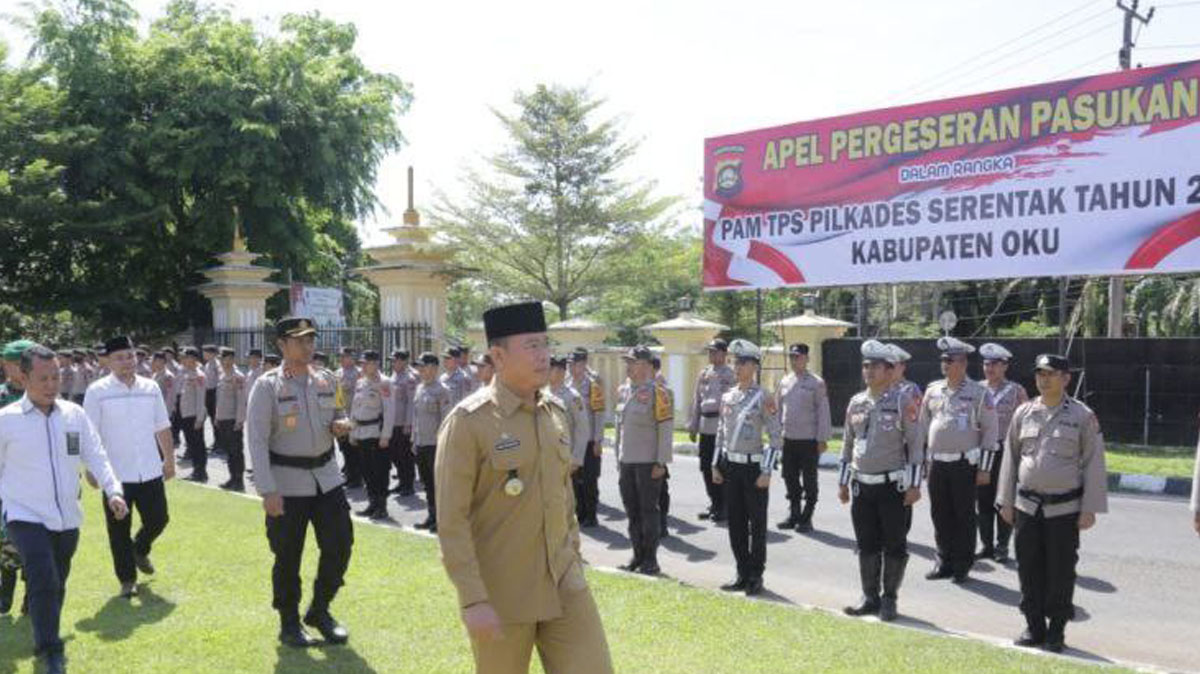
(710, 415)
(971, 455)
(1050, 499)
(879, 478)
(738, 457)
(377, 421)
(305, 462)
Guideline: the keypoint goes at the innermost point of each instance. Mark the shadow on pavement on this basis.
(993, 591)
(612, 538)
(1095, 584)
(829, 538)
(682, 547)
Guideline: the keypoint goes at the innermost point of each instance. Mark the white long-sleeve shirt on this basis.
(127, 419)
(39, 463)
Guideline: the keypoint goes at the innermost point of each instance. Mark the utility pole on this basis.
(1116, 284)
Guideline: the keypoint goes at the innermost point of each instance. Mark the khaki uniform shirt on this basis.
(591, 389)
(212, 372)
(66, 377)
(959, 420)
(83, 376)
(645, 429)
(883, 435)
(577, 415)
(373, 410)
(166, 384)
(745, 415)
(347, 378)
(431, 403)
(404, 385)
(803, 405)
(458, 383)
(714, 381)
(517, 552)
(232, 395)
(252, 375)
(1006, 399)
(291, 414)
(1054, 451)
(191, 386)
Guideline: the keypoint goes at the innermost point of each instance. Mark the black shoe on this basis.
(197, 477)
(789, 523)
(706, 515)
(867, 606)
(736, 585)
(887, 609)
(939, 573)
(754, 587)
(381, 513)
(427, 524)
(804, 526)
(233, 485)
(985, 553)
(293, 635)
(961, 578)
(56, 663)
(632, 565)
(128, 590)
(369, 511)
(143, 564)
(1055, 642)
(650, 568)
(433, 527)
(720, 518)
(330, 629)
(1001, 555)
(1029, 639)
(589, 522)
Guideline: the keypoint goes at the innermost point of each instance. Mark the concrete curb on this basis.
(1180, 487)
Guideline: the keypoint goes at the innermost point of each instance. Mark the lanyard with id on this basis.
(72, 443)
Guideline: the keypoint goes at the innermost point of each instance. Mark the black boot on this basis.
(868, 571)
(633, 564)
(8, 586)
(56, 663)
(330, 629)
(290, 631)
(649, 565)
(1035, 632)
(736, 585)
(804, 523)
(893, 575)
(754, 586)
(792, 518)
(1055, 641)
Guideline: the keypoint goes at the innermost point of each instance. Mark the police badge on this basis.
(727, 171)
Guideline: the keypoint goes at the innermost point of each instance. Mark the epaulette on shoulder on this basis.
(474, 401)
(554, 400)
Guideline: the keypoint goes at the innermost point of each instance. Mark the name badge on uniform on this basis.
(507, 442)
(72, 443)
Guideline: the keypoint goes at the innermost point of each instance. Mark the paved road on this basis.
(1138, 595)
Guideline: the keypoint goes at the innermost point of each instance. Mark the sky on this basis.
(676, 72)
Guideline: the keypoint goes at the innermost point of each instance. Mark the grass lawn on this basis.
(1160, 461)
(208, 610)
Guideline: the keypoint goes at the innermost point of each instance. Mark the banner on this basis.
(323, 305)
(1093, 176)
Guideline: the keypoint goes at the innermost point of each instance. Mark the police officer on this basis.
(320, 360)
(590, 386)
(404, 385)
(744, 466)
(84, 375)
(1005, 396)
(1052, 484)
(192, 387)
(577, 416)
(432, 401)
(347, 376)
(66, 373)
(373, 412)
(254, 367)
(959, 424)
(166, 384)
(291, 421)
(714, 381)
(469, 368)
(881, 466)
(900, 374)
(644, 440)
(173, 368)
(232, 396)
(509, 541)
(484, 370)
(454, 379)
(803, 405)
(212, 376)
(664, 496)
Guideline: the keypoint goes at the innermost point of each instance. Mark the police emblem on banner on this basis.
(727, 171)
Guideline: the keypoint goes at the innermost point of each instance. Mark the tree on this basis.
(146, 145)
(548, 218)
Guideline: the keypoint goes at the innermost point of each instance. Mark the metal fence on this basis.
(413, 337)
(1144, 391)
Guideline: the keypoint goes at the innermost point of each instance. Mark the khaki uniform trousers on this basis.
(573, 643)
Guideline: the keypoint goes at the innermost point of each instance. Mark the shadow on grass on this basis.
(119, 617)
(340, 659)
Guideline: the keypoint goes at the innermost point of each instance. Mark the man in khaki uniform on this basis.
(347, 378)
(509, 539)
(432, 401)
(576, 413)
(1006, 396)
(803, 405)
(958, 423)
(232, 396)
(403, 385)
(1052, 484)
(192, 411)
(644, 441)
(587, 481)
(714, 381)
(458, 382)
(373, 413)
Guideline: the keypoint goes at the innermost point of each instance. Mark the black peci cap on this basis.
(718, 344)
(118, 343)
(514, 319)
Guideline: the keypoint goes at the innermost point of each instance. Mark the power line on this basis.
(1068, 71)
(1191, 45)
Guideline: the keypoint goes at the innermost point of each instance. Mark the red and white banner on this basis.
(1093, 176)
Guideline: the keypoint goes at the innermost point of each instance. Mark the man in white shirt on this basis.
(42, 440)
(129, 415)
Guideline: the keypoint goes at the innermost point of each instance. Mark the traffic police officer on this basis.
(290, 425)
(1052, 484)
(803, 405)
(644, 441)
(591, 389)
(881, 466)
(404, 385)
(232, 397)
(712, 384)
(509, 539)
(373, 412)
(432, 401)
(900, 374)
(744, 466)
(1005, 396)
(958, 423)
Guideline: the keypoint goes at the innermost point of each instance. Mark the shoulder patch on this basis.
(474, 401)
(552, 399)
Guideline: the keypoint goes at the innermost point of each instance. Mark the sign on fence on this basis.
(1092, 176)
(323, 305)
